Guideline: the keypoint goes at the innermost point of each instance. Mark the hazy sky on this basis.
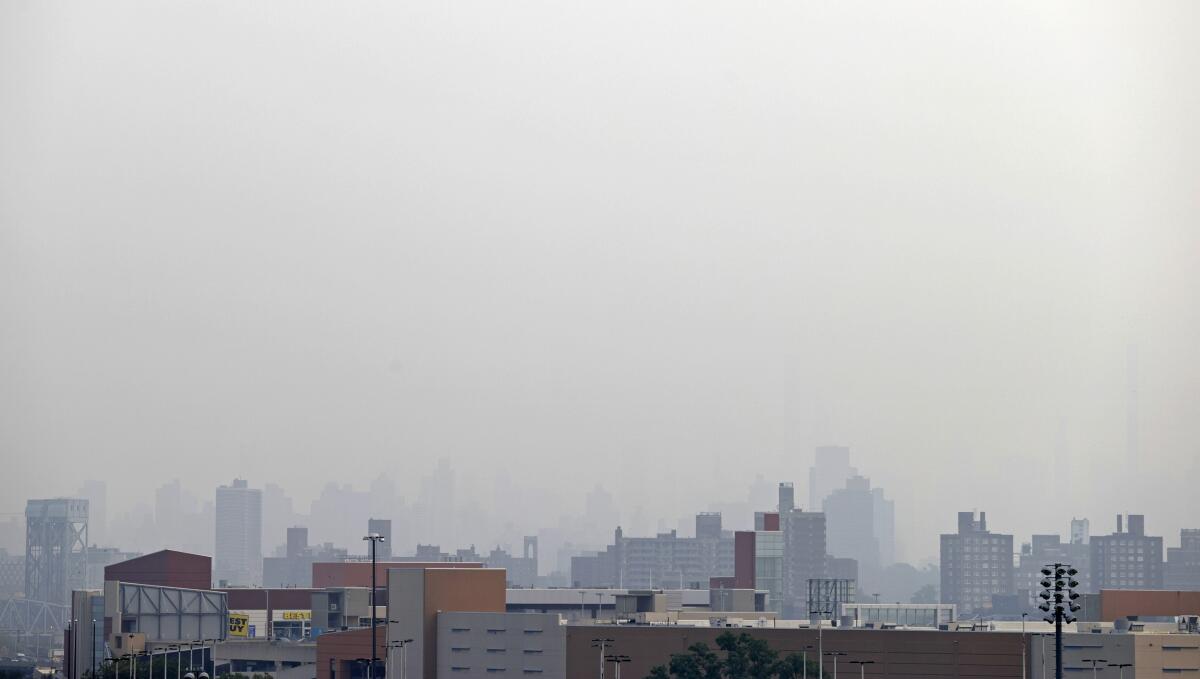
(663, 246)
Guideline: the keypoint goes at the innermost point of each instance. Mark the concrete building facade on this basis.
(474, 645)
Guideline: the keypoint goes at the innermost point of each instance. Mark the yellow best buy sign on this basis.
(297, 615)
(239, 625)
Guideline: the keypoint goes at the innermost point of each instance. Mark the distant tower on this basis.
(787, 497)
(56, 544)
(297, 541)
(1131, 412)
(531, 549)
(239, 535)
(383, 550)
(1080, 532)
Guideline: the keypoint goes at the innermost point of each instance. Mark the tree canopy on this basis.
(741, 656)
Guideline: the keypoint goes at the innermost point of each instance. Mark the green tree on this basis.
(743, 657)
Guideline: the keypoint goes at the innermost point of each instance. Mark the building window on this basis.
(533, 631)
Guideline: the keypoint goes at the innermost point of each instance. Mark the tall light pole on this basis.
(1023, 616)
(401, 644)
(1058, 599)
(835, 655)
(373, 538)
(862, 667)
(820, 642)
(1094, 662)
(1121, 665)
(618, 660)
(601, 644)
(92, 643)
(804, 659)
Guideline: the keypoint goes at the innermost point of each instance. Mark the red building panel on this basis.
(166, 568)
(743, 559)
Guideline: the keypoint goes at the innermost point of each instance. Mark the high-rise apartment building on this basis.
(1047, 549)
(238, 559)
(665, 560)
(804, 557)
(1127, 559)
(1182, 570)
(976, 564)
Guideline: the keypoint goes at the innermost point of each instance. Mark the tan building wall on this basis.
(1164, 655)
(1121, 603)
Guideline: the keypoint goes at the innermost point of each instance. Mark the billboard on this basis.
(239, 625)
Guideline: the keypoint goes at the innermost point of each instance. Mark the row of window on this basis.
(494, 670)
(467, 649)
(494, 630)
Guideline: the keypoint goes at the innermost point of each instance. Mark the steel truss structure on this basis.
(56, 544)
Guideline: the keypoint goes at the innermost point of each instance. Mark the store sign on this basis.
(296, 615)
(239, 625)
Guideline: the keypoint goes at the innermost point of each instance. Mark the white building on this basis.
(238, 559)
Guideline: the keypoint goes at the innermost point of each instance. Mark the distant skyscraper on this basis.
(850, 527)
(1132, 463)
(1080, 531)
(708, 525)
(787, 497)
(238, 534)
(383, 550)
(828, 473)
(976, 564)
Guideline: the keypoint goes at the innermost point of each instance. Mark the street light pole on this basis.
(1094, 662)
(617, 660)
(1122, 665)
(602, 644)
(1023, 616)
(373, 538)
(835, 655)
(820, 642)
(862, 667)
(92, 643)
